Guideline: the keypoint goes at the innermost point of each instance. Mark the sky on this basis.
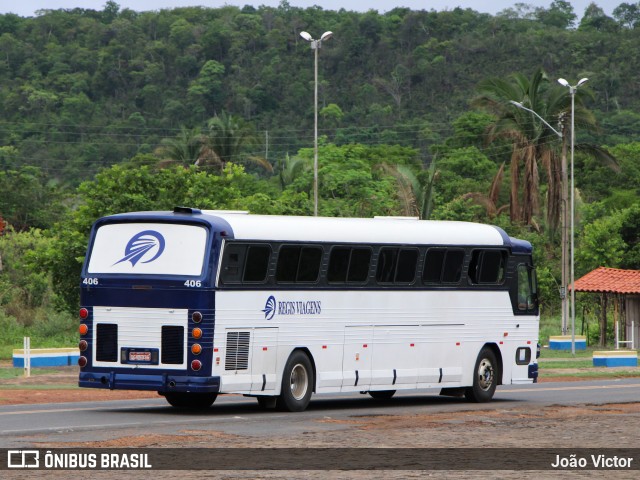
(28, 8)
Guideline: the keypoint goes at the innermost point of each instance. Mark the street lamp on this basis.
(565, 194)
(315, 46)
(572, 92)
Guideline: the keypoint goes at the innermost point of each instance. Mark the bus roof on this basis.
(399, 230)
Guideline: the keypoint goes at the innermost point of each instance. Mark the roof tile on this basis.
(610, 280)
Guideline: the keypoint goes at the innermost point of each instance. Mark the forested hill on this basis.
(83, 89)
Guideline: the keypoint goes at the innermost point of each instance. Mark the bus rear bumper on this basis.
(160, 383)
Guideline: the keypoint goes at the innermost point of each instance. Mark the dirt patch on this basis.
(59, 386)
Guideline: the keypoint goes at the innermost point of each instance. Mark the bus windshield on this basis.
(148, 249)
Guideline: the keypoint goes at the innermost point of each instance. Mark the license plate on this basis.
(139, 356)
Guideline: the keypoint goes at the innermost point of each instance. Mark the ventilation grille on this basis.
(172, 345)
(237, 357)
(107, 342)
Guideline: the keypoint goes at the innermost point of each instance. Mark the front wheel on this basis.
(190, 399)
(485, 377)
(297, 383)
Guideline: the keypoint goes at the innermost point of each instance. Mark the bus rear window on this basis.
(148, 249)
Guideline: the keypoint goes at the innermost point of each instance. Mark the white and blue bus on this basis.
(194, 303)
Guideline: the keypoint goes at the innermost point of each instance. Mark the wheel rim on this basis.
(299, 381)
(485, 374)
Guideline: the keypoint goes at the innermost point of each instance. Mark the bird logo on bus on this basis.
(147, 245)
(270, 308)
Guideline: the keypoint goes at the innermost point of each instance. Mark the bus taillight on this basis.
(196, 317)
(83, 329)
(82, 362)
(84, 313)
(196, 365)
(197, 333)
(196, 348)
(83, 345)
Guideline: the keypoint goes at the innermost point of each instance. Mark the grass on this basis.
(13, 372)
(587, 375)
(57, 386)
(56, 331)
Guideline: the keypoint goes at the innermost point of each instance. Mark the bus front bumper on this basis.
(162, 383)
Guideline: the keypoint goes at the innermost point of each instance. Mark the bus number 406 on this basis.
(193, 283)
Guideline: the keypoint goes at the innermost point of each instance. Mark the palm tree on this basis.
(185, 148)
(228, 139)
(490, 201)
(291, 168)
(530, 138)
(533, 142)
(415, 191)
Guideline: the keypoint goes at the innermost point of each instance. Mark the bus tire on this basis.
(382, 394)
(297, 383)
(190, 399)
(485, 377)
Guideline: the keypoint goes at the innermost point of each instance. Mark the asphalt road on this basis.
(22, 425)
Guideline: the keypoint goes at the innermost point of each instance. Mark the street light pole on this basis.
(315, 46)
(572, 92)
(563, 216)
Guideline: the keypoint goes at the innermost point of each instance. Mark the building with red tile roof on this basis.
(610, 280)
(622, 289)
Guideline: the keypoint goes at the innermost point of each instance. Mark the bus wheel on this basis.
(485, 378)
(297, 383)
(190, 399)
(382, 394)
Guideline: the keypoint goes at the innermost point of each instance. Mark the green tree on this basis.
(229, 139)
(29, 199)
(186, 148)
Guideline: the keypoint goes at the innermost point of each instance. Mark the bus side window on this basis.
(298, 264)
(359, 265)
(407, 264)
(527, 288)
(387, 259)
(338, 265)
(257, 263)
(487, 266)
(348, 264)
(309, 265)
(397, 265)
(287, 267)
(453, 266)
(233, 263)
(433, 262)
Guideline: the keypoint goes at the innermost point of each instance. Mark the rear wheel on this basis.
(382, 394)
(190, 399)
(297, 383)
(485, 377)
